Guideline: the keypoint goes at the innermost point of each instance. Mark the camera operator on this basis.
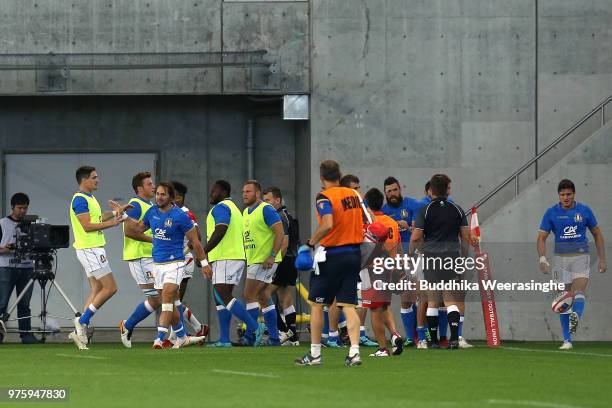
(15, 273)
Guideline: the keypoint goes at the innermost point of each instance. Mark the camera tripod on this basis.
(43, 276)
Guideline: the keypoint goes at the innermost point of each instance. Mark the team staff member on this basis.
(438, 227)
(340, 233)
(263, 241)
(336, 319)
(88, 221)
(225, 249)
(569, 221)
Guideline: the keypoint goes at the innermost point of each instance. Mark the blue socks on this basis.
(87, 315)
(179, 330)
(141, 312)
(579, 302)
(442, 321)
(238, 309)
(460, 331)
(408, 320)
(564, 318)
(181, 311)
(225, 318)
(269, 315)
(162, 332)
(362, 331)
(341, 320)
(325, 321)
(421, 331)
(253, 310)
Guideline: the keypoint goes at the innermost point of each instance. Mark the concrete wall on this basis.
(159, 26)
(409, 88)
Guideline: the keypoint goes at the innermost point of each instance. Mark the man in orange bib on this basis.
(337, 261)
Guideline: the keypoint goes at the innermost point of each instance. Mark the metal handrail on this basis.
(515, 176)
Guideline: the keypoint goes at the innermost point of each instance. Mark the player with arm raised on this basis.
(569, 221)
(88, 222)
(137, 252)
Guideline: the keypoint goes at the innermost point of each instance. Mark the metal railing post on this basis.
(516, 185)
(603, 115)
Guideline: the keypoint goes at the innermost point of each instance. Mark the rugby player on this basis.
(263, 240)
(187, 315)
(137, 252)
(88, 222)
(379, 302)
(225, 249)
(170, 225)
(569, 221)
(403, 210)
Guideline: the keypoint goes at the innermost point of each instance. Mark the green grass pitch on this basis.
(518, 375)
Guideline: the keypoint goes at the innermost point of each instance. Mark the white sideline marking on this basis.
(245, 373)
(529, 403)
(568, 352)
(78, 356)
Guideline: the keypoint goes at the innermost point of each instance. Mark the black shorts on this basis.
(286, 273)
(436, 272)
(337, 279)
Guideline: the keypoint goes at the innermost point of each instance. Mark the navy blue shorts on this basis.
(337, 279)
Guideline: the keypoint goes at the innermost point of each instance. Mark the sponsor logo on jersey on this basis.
(570, 232)
(160, 234)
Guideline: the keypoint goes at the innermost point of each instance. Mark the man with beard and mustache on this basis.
(403, 210)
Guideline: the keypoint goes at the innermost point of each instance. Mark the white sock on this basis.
(148, 306)
(315, 350)
(353, 350)
(189, 316)
(334, 333)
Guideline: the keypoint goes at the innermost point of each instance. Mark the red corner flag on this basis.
(487, 296)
